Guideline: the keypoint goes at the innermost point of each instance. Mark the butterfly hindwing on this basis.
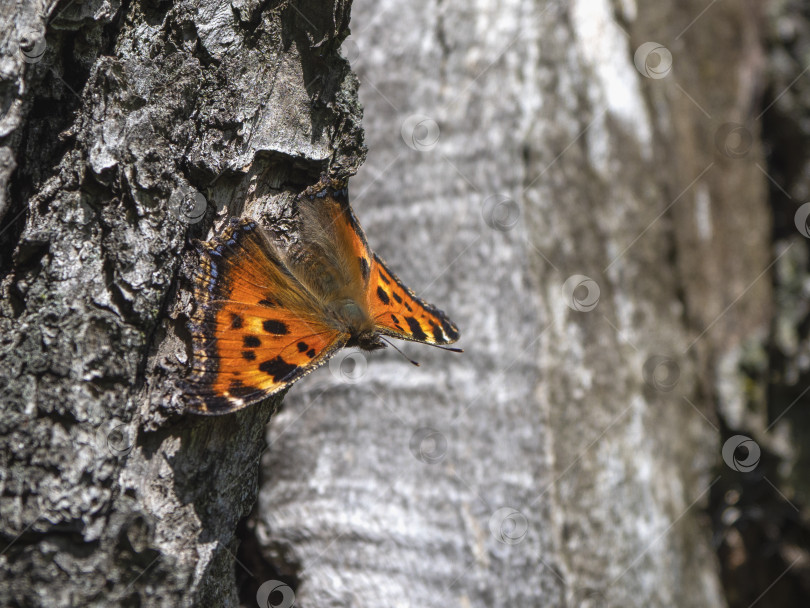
(336, 260)
(256, 330)
(397, 312)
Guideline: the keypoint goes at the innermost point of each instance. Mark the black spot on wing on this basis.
(382, 295)
(237, 389)
(249, 355)
(396, 297)
(394, 318)
(384, 278)
(278, 368)
(269, 302)
(271, 326)
(408, 306)
(251, 342)
(302, 346)
(364, 268)
(416, 329)
(236, 321)
(311, 353)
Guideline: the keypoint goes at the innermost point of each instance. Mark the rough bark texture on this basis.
(568, 457)
(597, 227)
(134, 127)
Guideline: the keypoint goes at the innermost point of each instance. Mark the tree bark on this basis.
(593, 218)
(128, 129)
(600, 234)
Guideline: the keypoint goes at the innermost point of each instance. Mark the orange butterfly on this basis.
(265, 319)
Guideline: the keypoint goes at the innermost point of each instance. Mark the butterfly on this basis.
(266, 317)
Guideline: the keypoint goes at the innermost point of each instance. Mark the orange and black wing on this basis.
(334, 259)
(399, 313)
(256, 329)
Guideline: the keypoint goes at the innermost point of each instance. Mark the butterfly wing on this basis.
(256, 329)
(397, 312)
(334, 260)
(330, 228)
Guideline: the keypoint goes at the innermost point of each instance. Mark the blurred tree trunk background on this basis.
(602, 195)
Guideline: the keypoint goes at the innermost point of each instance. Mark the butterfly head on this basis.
(367, 340)
(350, 317)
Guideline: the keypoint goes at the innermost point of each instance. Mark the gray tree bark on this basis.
(598, 228)
(594, 221)
(126, 130)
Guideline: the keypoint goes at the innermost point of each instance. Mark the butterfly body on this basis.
(264, 318)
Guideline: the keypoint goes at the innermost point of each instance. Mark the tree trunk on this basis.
(128, 129)
(598, 229)
(593, 218)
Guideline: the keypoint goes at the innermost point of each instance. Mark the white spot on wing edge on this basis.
(237, 401)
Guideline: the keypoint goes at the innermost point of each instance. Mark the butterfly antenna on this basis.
(394, 346)
(450, 348)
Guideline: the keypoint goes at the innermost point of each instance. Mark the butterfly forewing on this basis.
(399, 313)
